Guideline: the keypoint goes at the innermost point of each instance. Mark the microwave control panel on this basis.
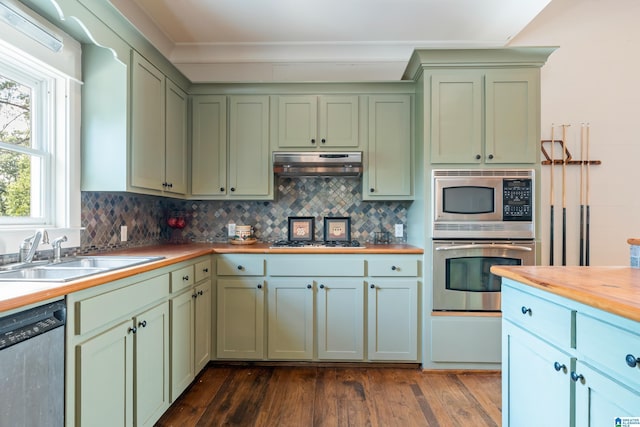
(517, 199)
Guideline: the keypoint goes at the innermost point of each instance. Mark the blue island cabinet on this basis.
(566, 363)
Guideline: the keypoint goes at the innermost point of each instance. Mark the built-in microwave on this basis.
(483, 204)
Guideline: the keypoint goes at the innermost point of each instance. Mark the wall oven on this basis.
(483, 204)
(461, 277)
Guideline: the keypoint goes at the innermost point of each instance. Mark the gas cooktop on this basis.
(314, 244)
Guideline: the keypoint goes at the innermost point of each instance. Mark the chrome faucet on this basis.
(57, 247)
(30, 244)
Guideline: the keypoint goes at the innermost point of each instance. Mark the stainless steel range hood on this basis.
(323, 163)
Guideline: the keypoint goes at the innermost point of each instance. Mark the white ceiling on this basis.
(318, 40)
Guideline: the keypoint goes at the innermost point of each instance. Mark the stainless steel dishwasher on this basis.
(32, 367)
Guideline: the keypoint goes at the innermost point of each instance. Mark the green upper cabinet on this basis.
(484, 116)
(310, 121)
(237, 167)
(388, 173)
(209, 145)
(158, 130)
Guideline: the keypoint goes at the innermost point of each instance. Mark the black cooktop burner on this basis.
(315, 244)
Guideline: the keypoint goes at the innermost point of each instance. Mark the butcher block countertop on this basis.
(612, 289)
(19, 294)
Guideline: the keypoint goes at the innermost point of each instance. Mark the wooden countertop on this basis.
(17, 294)
(612, 289)
(635, 242)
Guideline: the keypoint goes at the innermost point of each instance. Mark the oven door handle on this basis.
(484, 246)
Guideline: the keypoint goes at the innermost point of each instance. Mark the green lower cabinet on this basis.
(124, 372)
(392, 322)
(182, 338)
(202, 323)
(240, 318)
(290, 322)
(340, 326)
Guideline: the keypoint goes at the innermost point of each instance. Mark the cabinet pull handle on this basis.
(132, 330)
(170, 185)
(576, 377)
(478, 156)
(185, 278)
(371, 190)
(321, 286)
(205, 270)
(221, 189)
(490, 156)
(259, 285)
(240, 268)
(233, 188)
(200, 293)
(394, 268)
(309, 286)
(559, 367)
(372, 286)
(323, 140)
(313, 141)
(164, 184)
(526, 310)
(632, 361)
(143, 324)
(194, 295)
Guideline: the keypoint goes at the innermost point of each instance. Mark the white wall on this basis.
(592, 77)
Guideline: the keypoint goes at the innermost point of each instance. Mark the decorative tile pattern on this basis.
(146, 216)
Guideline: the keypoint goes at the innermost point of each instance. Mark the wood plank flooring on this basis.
(266, 396)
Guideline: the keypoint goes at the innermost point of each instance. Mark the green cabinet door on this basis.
(209, 145)
(147, 125)
(310, 121)
(456, 117)
(389, 172)
(250, 168)
(240, 318)
(151, 386)
(392, 322)
(512, 116)
(600, 400)
(176, 125)
(104, 380)
(202, 326)
(182, 338)
(340, 310)
(538, 369)
(290, 323)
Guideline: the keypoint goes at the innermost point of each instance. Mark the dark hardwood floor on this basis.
(335, 396)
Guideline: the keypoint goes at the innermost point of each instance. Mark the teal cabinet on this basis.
(572, 357)
(310, 121)
(389, 171)
(481, 116)
(158, 130)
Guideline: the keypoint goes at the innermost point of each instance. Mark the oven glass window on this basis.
(471, 274)
(468, 200)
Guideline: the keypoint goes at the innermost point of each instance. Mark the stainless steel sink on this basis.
(71, 268)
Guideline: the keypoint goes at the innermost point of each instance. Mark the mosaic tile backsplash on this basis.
(206, 221)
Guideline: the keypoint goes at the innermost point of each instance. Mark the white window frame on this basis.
(63, 71)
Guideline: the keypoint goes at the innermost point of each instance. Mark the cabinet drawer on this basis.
(240, 265)
(203, 270)
(551, 321)
(392, 267)
(607, 346)
(101, 309)
(182, 279)
(316, 265)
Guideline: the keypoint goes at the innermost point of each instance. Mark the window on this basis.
(25, 148)
(39, 136)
